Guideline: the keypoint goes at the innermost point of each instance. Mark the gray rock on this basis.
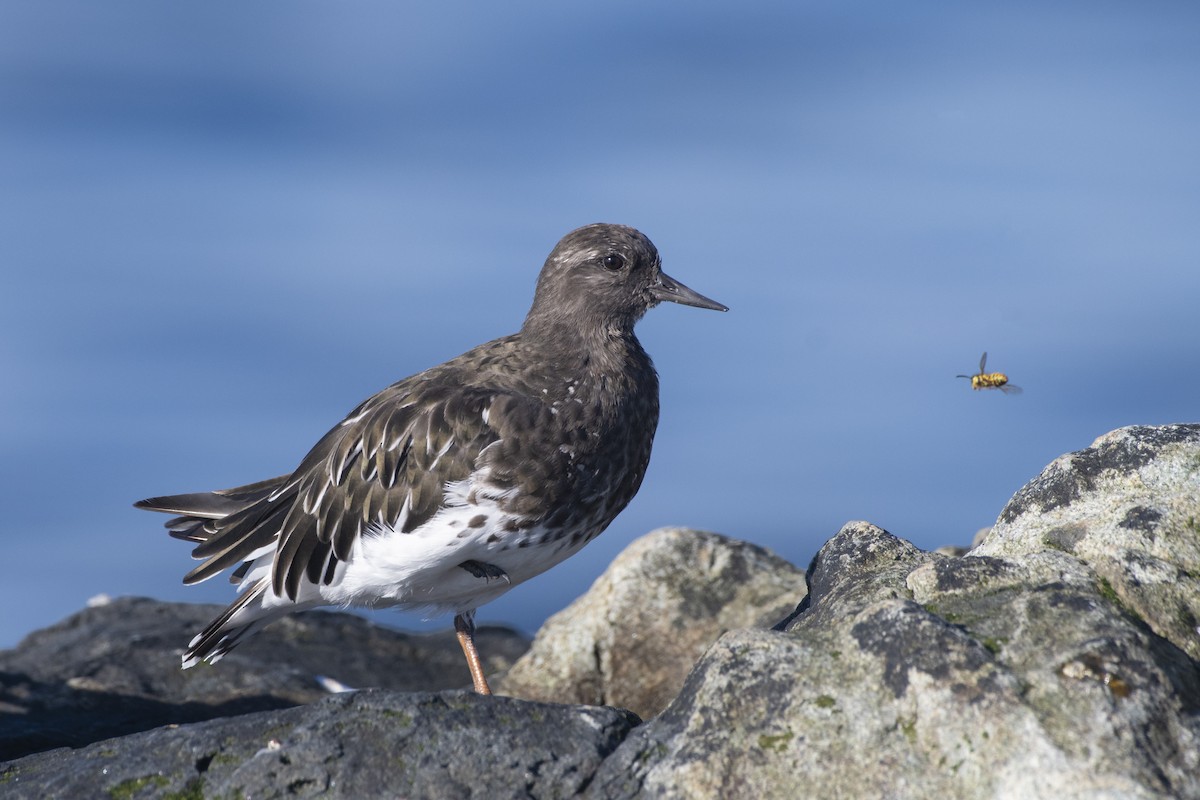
(1056, 659)
(114, 669)
(633, 637)
(358, 745)
(913, 675)
(1129, 508)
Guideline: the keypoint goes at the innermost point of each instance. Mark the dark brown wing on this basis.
(387, 464)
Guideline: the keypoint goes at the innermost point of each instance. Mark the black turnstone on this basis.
(448, 488)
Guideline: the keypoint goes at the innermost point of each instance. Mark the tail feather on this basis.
(241, 619)
(228, 526)
(206, 505)
(189, 529)
(213, 505)
(238, 543)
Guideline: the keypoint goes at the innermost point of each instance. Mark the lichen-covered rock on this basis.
(114, 668)
(912, 675)
(632, 638)
(1129, 508)
(358, 745)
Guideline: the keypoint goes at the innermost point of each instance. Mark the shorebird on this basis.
(450, 487)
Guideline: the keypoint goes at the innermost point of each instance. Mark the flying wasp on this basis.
(990, 380)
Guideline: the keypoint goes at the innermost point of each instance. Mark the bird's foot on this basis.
(486, 571)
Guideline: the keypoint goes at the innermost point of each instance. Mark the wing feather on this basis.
(240, 540)
(371, 471)
(387, 465)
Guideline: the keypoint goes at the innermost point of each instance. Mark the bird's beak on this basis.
(668, 288)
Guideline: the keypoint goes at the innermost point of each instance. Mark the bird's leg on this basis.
(464, 628)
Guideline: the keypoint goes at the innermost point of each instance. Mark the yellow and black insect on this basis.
(990, 380)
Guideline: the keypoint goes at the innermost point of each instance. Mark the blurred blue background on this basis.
(224, 224)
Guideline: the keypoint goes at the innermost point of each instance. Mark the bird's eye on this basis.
(613, 261)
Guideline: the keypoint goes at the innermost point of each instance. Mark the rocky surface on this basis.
(1057, 659)
(914, 675)
(114, 669)
(376, 743)
(631, 640)
(910, 674)
(1128, 507)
